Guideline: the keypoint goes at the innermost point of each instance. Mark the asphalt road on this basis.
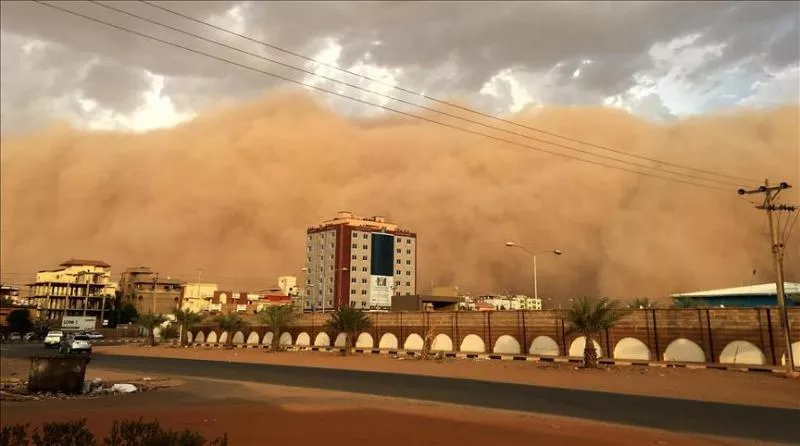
(708, 418)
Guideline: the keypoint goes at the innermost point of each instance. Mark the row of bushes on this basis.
(123, 433)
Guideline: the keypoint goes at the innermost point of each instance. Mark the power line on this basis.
(367, 90)
(432, 98)
(277, 76)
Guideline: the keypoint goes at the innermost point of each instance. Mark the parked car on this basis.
(94, 335)
(29, 336)
(76, 344)
(15, 337)
(53, 339)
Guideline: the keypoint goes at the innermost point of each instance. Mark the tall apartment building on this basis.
(149, 292)
(77, 288)
(361, 262)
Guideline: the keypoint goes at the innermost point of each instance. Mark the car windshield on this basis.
(81, 338)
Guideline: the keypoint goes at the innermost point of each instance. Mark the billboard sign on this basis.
(380, 292)
(77, 323)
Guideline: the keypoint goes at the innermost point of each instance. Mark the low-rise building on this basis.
(77, 288)
(148, 291)
(517, 302)
(762, 295)
(197, 296)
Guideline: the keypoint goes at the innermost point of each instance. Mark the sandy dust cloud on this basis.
(233, 191)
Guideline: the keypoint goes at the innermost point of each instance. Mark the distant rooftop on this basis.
(84, 262)
(764, 289)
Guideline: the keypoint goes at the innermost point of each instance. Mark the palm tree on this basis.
(187, 319)
(149, 321)
(588, 317)
(230, 322)
(642, 303)
(684, 302)
(349, 321)
(278, 318)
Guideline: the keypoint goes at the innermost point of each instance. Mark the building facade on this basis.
(77, 288)
(149, 292)
(753, 296)
(360, 262)
(518, 302)
(198, 296)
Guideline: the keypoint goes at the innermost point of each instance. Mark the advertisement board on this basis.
(380, 292)
(77, 323)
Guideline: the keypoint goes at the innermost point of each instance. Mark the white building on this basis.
(518, 302)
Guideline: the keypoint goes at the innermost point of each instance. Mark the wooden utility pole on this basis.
(778, 245)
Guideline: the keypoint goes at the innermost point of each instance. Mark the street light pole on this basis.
(533, 254)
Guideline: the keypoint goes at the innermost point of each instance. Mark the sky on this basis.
(138, 153)
(659, 60)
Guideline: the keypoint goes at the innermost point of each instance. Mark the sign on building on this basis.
(78, 323)
(380, 292)
(381, 272)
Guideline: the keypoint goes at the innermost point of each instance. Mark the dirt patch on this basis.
(14, 375)
(250, 414)
(762, 389)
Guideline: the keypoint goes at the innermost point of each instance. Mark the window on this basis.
(399, 250)
(364, 292)
(364, 257)
(363, 303)
(365, 246)
(333, 245)
(408, 273)
(398, 272)
(399, 261)
(309, 260)
(364, 280)
(408, 251)
(399, 240)
(353, 268)
(330, 291)
(364, 268)
(355, 257)
(366, 236)
(408, 262)
(330, 268)
(352, 291)
(355, 245)
(408, 283)
(330, 279)
(353, 280)
(331, 256)
(408, 241)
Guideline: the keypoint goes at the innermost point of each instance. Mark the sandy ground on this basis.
(257, 414)
(752, 388)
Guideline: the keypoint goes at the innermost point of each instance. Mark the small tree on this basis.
(588, 317)
(278, 318)
(349, 321)
(149, 321)
(230, 322)
(186, 319)
(19, 320)
(41, 326)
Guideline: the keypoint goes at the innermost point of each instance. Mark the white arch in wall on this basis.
(579, 344)
(286, 339)
(365, 340)
(212, 338)
(795, 354)
(189, 336)
(507, 345)
(200, 338)
(238, 338)
(442, 343)
(413, 342)
(253, 338)
(322, 340)
(340, 341)
(388, 341)
(268, 338)
(631, 349)
(684, 350)
(544, 346)
(303, 340)
(223, 337)
(472, 344)
(742, 352)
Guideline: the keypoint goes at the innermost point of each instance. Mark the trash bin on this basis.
(63, 374)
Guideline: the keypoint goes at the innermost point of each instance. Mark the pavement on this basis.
(676, 415)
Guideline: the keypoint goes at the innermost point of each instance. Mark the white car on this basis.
(76, 344)
(53, 339)
(93, 335)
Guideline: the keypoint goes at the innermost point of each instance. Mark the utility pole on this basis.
(155, 285)
(777, 244)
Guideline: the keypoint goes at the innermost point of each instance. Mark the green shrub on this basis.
(123, 433)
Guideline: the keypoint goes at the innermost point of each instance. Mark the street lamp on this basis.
(533, 254)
